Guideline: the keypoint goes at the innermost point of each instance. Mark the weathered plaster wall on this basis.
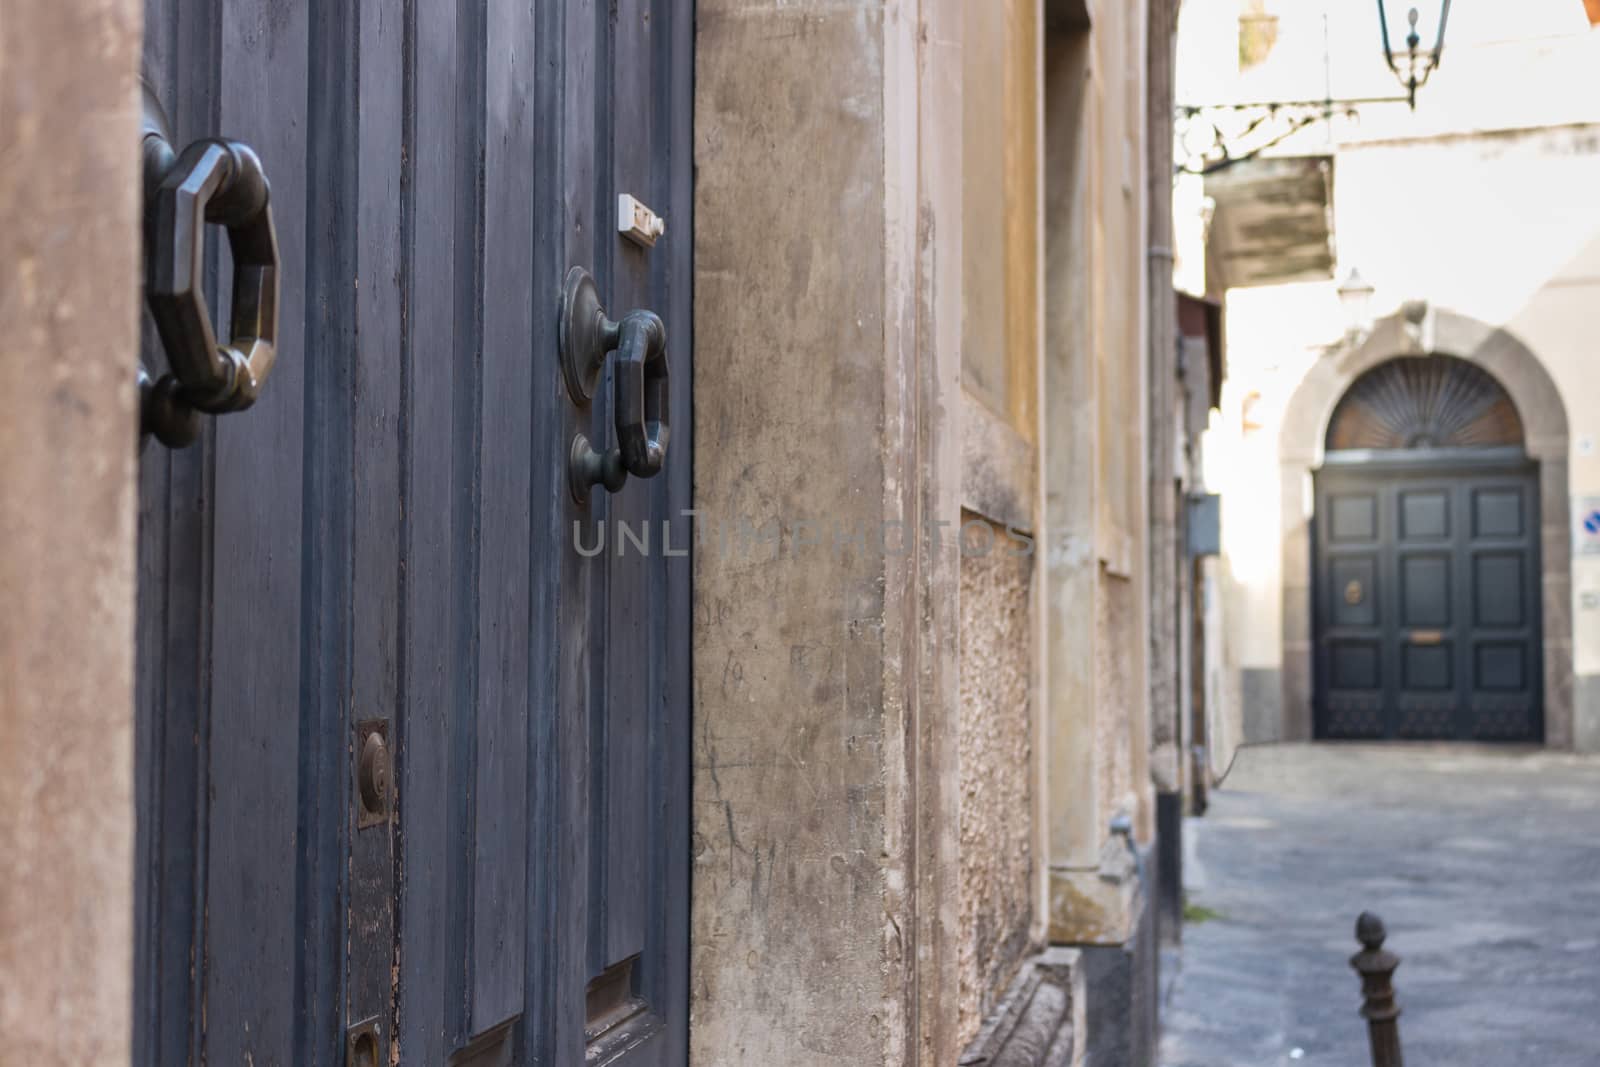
(1166, 434)
(789, 696)
(1000, 623)
(997, 804)
(827, 323)
(1096, 710)
(1119, 687)
(69, 291)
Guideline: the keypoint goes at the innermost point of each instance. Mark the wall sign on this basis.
(1586, 526)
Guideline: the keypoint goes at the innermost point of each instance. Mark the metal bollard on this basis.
(1376, 968)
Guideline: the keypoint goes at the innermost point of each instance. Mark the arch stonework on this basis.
(1420, 329)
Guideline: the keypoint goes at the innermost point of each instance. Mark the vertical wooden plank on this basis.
(173, 640)
(252, 930)
(173, 631)
(376, 487)
(465, 530)
(549, 520)
(150, 734)
(325, 648)
(503, 707)
(666, 974)
(1389, 604)
(1459, 498)
(633, 625)
(427, 457)
(331, 110)
(595, 418)
(566, 213)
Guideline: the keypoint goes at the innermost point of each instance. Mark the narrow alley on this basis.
(1483, 863)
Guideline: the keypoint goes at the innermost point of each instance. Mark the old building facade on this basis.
(1474, 337)
(420, 749)
(979, 827)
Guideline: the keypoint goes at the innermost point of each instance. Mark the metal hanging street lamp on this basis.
(1415, 64)
(1214, 137)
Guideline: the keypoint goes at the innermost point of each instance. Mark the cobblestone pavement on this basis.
(1484, 863)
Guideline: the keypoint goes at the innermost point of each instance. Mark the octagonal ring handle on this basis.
(641, 408)
(219, 181)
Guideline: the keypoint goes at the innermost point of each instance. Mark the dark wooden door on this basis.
(384, 546)
(1427, 600)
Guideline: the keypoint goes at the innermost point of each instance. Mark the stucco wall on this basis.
(1000, 96)
(1120, 684)
(786, 890)
(827, 319)
(870, 795)
(1096, 716)
(997, 804)
(69, 315)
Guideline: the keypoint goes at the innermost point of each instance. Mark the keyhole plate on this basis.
(373, 773)
(364, 1045)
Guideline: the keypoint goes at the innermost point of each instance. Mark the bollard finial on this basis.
(1376, 968)
(1370, 931)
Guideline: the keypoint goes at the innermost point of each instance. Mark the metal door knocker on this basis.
(640, 405)
(217, 181)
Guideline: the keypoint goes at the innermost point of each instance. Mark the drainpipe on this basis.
(1166, 734)
(1165, 591)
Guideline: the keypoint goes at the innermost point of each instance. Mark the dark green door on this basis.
(1426, 598)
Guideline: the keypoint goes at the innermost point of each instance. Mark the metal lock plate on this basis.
(364, 1045)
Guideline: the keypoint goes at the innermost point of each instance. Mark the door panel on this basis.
(1426, 603)
(1424, 515)
(383, 546)
(1424, 590)
(1353, 517)
(1497, 582)
(1349, 588)
(1497, 512)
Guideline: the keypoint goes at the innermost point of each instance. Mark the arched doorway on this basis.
(1426, 598)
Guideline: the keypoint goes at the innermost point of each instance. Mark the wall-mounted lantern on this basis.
(1355, 296)
(1415, 64)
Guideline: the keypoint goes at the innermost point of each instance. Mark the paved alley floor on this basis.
(1484, 864)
